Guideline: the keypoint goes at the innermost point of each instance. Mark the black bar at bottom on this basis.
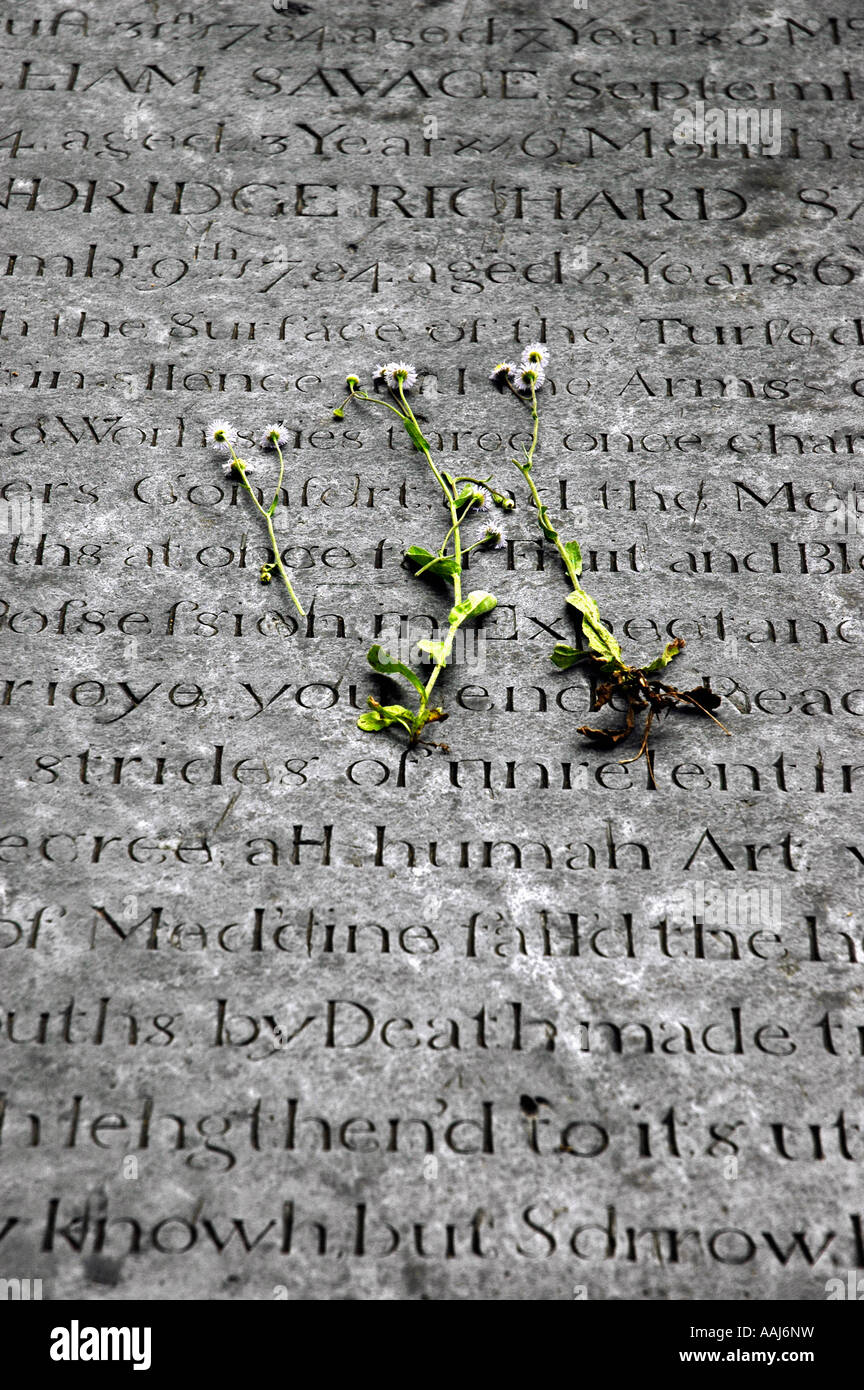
(57, 1340)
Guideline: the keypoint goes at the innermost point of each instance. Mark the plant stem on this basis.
(473, 546)
(278, 561)
(376, 400)
(275, 501)
(455, 524)
(441, 555)
(525, 470)
(452, 494)
(268, 521)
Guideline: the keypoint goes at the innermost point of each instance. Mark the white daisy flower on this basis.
(221, 434)
(500, 370)
(535, 355)
(273, 435)
(492, 539)
(523, 378)
(398, 374)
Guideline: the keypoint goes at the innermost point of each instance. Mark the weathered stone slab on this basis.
(289, 1010)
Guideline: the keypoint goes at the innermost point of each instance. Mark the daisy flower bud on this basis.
(221, 435)
(535, 355)
(352, 381)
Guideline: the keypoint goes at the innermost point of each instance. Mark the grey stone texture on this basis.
(289, 1011)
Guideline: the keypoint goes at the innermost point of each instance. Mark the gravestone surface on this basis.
(288, 1009)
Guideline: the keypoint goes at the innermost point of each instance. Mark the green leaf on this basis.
(371, 722)
(384, 715)
(434, 649)
(546, 525)
(444, 565)
(396, 712)
(574, 553)
(477, 602)
(668, 654)
(599, 637)
(415, 433)
(382, 661)
(565, 656)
